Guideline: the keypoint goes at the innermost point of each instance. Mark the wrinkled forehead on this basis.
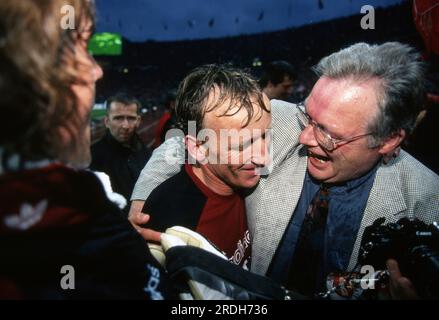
(335, 93)
(221, 108)
(220, 101)
(334, 102)
(120, 108)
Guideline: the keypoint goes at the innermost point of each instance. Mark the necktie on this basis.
(307, 263)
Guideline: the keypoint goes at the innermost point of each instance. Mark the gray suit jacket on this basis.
(403, 187)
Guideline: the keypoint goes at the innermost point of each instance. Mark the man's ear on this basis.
(391, 145)
(106, 121)
(196, 150)
(137, 125)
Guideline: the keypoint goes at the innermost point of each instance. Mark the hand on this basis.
(136, 207)
(401, 288)
(138, 219)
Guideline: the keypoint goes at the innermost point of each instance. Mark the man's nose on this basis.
(308, 138)
(125, 123)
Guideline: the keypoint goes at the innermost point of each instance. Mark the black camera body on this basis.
(412, 243)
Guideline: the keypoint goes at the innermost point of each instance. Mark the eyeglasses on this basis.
(323, 138)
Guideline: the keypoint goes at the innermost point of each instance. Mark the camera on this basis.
(412, 243)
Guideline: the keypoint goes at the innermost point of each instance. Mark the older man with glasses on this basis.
(337, 166)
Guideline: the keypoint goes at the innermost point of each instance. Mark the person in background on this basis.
(121, 153)
(167, 120)
(60, 236)
(277, 80)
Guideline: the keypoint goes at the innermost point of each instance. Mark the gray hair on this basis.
(401, 75)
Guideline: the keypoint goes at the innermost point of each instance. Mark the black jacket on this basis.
(123, 164)
(54, 217)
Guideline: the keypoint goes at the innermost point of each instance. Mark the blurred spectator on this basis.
(277, 80)
(121, 153)
(426, 17)
(426, 14)
(166, 121)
